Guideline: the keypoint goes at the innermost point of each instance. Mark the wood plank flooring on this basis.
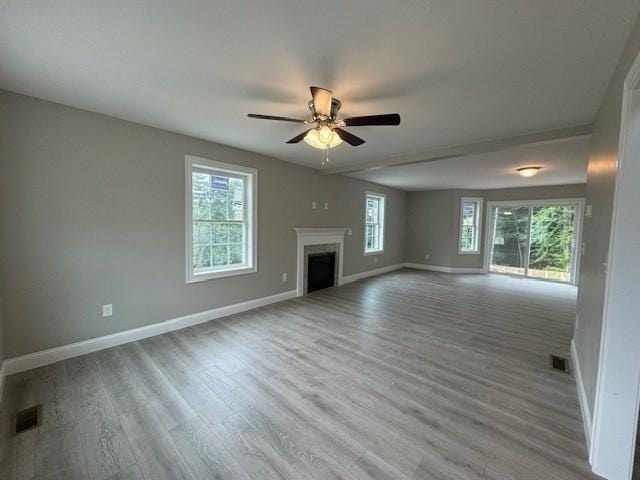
(409, 375)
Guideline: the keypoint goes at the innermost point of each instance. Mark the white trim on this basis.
(52, 355)
(370, 273)
(577, 226)
(582, 394)
(318, 236)
(3, 375)
(479, 201)
(383, 197)
(251, 174)
(617, 459)
(437, 268)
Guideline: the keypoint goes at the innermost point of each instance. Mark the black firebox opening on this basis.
(321, 271)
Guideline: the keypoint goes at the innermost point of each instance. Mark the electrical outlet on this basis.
(588, 212)
(349, 232)
(284, 277)
(326, 206)
(313, 205)
(375, 259)
(107, 310)
(426, 256)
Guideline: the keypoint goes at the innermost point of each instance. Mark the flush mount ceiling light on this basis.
(528, 171)
(328, 131)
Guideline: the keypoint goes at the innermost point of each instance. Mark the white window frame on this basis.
(479, 201)
(381, 218)
(251, 193)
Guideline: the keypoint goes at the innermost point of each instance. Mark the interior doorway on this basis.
(535, 239)
(617, 396)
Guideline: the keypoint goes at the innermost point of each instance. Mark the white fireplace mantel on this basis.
(318, 236)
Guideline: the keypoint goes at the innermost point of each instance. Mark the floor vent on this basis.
(27, 419)
(560, 363)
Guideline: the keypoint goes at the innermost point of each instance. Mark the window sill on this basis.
(460, 252)
(373, 252)
(203, 277)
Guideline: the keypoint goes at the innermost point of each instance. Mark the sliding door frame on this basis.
(577, 227)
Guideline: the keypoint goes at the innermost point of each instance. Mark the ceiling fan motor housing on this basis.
(335, 108)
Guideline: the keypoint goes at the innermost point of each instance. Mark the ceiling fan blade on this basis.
(388, 119)
(349, 137)
(321, 100)
(272, 117)
(298, 138)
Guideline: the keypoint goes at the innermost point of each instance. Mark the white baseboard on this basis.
(437, 268)
(371, 273)
(582, 395)
(52, 355)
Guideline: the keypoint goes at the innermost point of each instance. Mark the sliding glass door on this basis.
(510, 240)
(534, 239)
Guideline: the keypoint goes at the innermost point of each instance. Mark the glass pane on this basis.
(236, 254)
(510, 234)
(200, 182)
(201, 257)
(468, 213)
(467, 237)
(219, 205)
(201, 233)
(236, 189)
(551, 242)
(200, 208)
(236, 211)
(372, 210)
(220, 255)
(220, 233)
(236, 233)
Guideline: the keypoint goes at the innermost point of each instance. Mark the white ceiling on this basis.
(458, 71)
(563, 163)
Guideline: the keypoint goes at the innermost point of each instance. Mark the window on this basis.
(374, 223)
(470, 217)
(220, 219)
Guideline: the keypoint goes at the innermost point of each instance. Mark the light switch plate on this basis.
(107, 310)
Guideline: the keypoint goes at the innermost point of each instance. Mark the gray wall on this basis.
(92, 212)
(601, 173)
(1, 341)
(433, 221)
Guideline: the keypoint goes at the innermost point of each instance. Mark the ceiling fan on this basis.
(328, 131)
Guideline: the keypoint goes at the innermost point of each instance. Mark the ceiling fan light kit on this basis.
(328, 131)
(322, 138)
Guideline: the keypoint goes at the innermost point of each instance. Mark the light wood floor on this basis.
(410, 375)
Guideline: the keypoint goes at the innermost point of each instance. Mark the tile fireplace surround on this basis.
(318, 240)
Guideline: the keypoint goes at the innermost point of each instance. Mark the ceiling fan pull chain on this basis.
(325, 156)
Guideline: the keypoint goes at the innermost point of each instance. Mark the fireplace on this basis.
(321, 269)
(320, 254)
